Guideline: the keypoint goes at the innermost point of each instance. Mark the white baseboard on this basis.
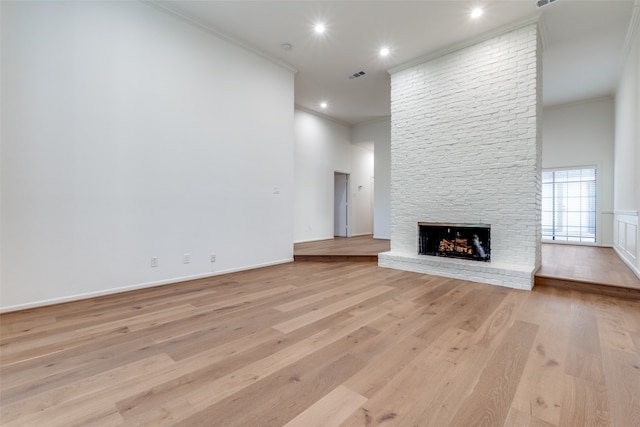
(313, 240)
(361, 234)
(78, 297)
(628, 263)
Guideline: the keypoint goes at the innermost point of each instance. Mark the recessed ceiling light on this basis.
(476, 13)
(384, 51)
(319, 28)
(323, 105)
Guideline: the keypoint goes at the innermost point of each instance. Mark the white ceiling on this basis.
(583, 43)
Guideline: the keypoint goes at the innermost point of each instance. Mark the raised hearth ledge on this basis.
(493, 273)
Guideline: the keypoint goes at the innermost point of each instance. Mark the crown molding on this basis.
(464, 44)
(199, 23)
(578, 102)
(322, 116)
(382, 119)
(633, 27)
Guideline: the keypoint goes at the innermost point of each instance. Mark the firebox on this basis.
(467, 241)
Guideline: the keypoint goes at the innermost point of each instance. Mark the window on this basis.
(569, 205)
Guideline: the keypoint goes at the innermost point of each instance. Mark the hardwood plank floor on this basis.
(325, 344)
(587, 268)
(360, 248)
(586, 264)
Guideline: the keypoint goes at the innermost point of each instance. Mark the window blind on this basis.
(569, 205)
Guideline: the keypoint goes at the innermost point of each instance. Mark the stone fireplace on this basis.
(466, 151)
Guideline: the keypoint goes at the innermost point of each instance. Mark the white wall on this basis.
(322, 147)
(627, 159)
(465, 148)
(340, 208)
(380, 133)
(582, 134)
(361, 202)
(128, 134)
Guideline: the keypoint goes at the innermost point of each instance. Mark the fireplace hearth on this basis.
(465, 241)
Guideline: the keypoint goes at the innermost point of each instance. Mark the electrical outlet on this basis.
(213, 258)
(186, 258)
(154, 261)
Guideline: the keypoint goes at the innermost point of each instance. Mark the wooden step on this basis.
(336, 258)
(587, 286)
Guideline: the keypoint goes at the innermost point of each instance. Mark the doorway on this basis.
(340, 204)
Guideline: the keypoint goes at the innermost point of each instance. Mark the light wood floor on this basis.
(324, 344)
(587, 264)
(361, 245)
(583, 264)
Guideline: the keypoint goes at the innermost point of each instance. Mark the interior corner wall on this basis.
(581, 135)
(129, 134)
(322, 147)
(466, 148)
(361, 203)
(379, 132)
(626, 229)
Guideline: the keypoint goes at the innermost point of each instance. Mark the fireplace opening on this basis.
(466, 241)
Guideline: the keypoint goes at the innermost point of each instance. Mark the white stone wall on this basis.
(465, 148)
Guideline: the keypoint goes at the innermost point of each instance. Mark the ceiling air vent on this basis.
(545, 2)
(357, 74)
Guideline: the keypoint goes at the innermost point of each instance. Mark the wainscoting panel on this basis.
(626, 238)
